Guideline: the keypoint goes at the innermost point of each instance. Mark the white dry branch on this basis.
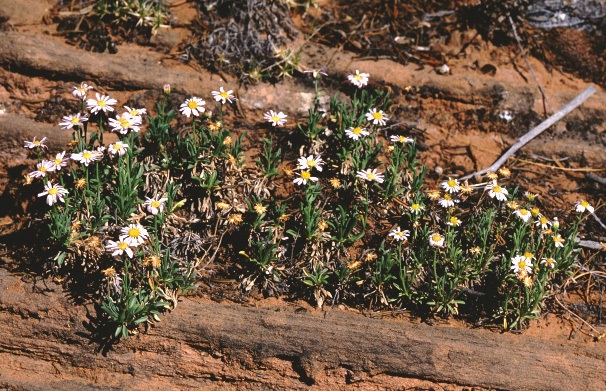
(534, 132)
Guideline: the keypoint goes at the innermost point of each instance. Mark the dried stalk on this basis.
(534, 132)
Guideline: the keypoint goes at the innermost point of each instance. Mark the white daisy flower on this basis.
(53, 193)
(359, 79)
(356, 133)
(454, 221)
(193, 106)
(447, 201)
(86, 157)
(401, 139)
(304, 176)
(436, 240)
(371, 175)
(42, 169)
(558, 240)
(118, 248)
(102, 103)
(276, 119)
(416, 208)
(125, 122)
(377, 117)
(398, 234)
(223, 96)
(59, 161)
(81, 91)
(35, 143)
(307, 163)
(523, 214)
(520, 262)
(154, 205)
(118, 148)
(548, 262)
(69, 121)
(451, 186)
(135, 112)
(496, 191)
(134, 235)
(582, 206)
(543, 222)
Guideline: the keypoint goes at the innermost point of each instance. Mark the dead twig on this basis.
(534, 132)
(595, 178)
(597, 333)
(592, 245)
(581, 169)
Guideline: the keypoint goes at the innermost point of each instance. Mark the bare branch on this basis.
(534, 132)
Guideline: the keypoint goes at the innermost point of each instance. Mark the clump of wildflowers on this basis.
(331, 228)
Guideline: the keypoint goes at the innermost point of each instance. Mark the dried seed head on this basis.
(80, 183)
(234, 219)
(109, 272)
(153, 261)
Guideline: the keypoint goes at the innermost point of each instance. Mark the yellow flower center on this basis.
(42, 169)
(192, 104)
(117, 147)
(415, 206)
(155, 204)
(454, 220)
(447, 197)
(101, 103)
(358, 77)
(224, 95)
(134, 233)
(496, 188)
(377, 115)
(400, 233)
(58, 161)
(370, 175)
(543, 220)
(311, 163)
(87, 155)
(37, 142)
(275, 118)
(451, 183)
(523, 212)
(124, 123)
(585, 204)
(402, 139)
(305, 175)
(75, 121)
(436, 238)
(134, 112)
(522, 264)
(528, 255)
(535, 211)
(53, 191)
(356, 130)
(122, 245)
